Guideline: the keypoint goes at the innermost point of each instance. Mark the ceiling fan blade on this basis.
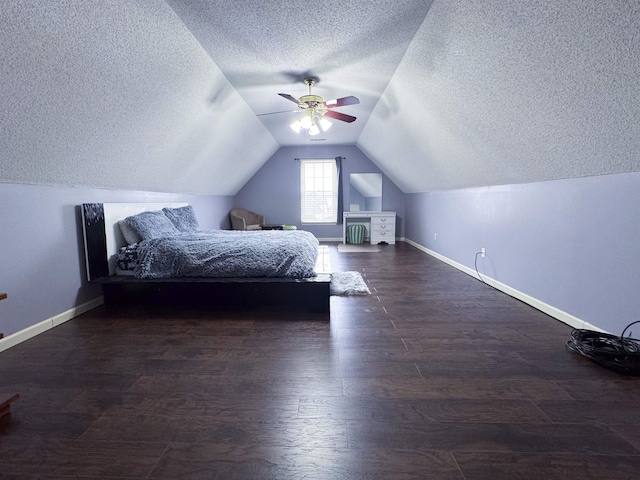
(273, 113)
(340, 102)
(289, 97)
(340, 116)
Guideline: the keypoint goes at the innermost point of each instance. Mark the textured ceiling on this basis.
(266, 48)
(164, 95)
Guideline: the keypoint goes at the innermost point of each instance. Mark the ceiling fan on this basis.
(315, 110)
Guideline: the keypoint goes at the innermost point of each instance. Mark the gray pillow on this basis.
(183, 218)
(129, 234)
(151, 225)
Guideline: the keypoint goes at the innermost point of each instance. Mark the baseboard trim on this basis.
(41, 327)
(550, 310)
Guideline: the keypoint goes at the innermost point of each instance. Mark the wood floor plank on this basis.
(221, 406)
(514, 466)
(471, 388)
(489, 437)
(422, 410)
(326, 433)
(278, 385)
(49, 425)
(256, 354)
(242, 462)
(591, 411)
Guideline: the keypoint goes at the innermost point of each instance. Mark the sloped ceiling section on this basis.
(119, 94)
(506, 92)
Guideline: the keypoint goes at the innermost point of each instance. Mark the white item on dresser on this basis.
(381, 226)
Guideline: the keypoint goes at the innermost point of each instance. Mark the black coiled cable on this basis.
(611, 351)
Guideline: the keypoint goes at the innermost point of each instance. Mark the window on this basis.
(318, 191)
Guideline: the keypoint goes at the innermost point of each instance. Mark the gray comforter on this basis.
(228, 253)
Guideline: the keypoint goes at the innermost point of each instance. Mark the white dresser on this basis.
(380, 226)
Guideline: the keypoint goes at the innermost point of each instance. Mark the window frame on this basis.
(311, 212)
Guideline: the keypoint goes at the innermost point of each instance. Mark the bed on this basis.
(172, 261)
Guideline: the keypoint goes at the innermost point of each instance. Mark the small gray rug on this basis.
(348, 283)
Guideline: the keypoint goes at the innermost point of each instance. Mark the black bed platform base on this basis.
(219, 294)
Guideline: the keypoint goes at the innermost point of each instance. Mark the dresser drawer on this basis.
(382, 236)
(383, 228)
(386, 220)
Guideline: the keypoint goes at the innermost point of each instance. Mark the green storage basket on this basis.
(355, 233)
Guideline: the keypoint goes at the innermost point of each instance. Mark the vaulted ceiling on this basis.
(265, 48)
(167, 95)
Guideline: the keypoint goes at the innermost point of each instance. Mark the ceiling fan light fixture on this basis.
(306, 122)
(296, 126)
(314, 130)
(324, 124)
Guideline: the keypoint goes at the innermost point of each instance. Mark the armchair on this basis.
(242, 219)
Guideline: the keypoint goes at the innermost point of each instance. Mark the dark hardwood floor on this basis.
(433, 376)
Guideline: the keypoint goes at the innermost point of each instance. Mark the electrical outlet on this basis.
(435, 236)
(483, 252)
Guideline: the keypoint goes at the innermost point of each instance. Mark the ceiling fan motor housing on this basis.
(311, 99)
